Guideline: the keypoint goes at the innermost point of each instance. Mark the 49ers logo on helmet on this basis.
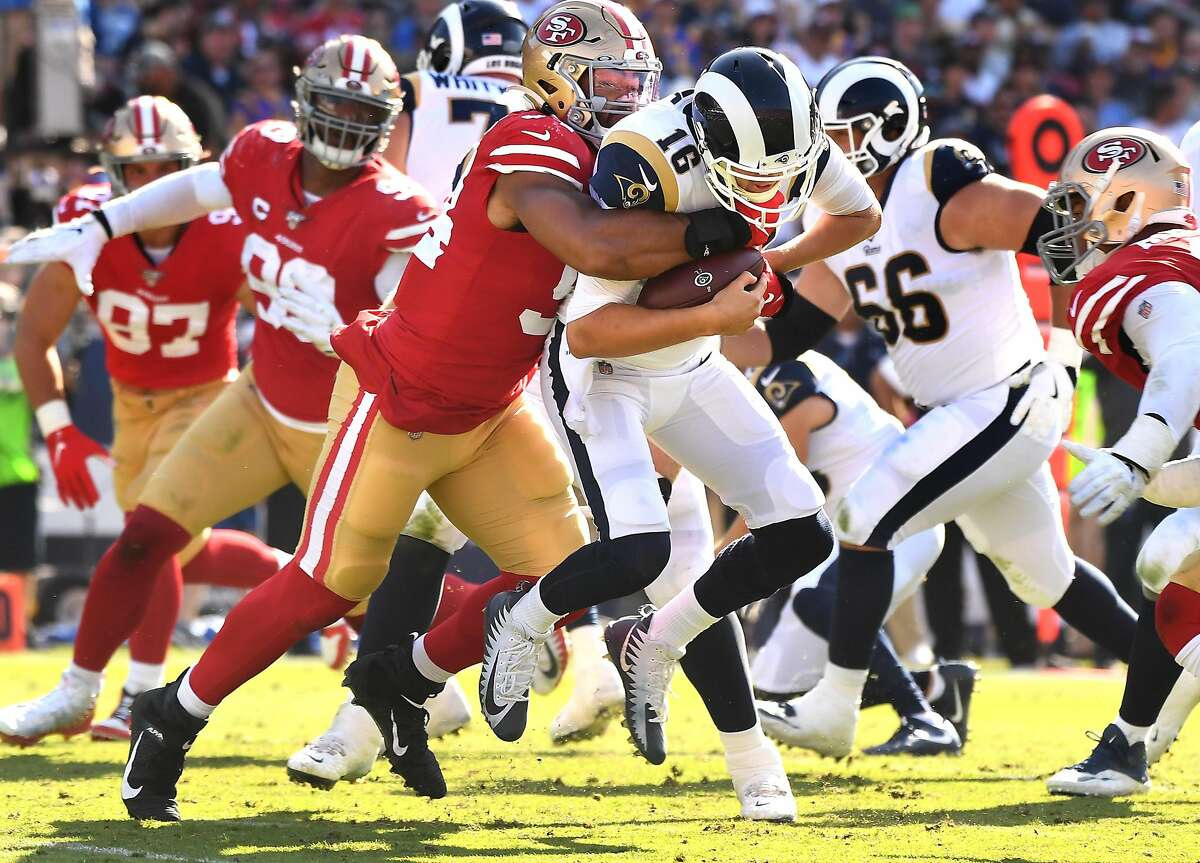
(1127, 151)
(561, 29)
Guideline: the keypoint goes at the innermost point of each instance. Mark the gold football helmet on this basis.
(1111, 185)
(592, 63)
(147, 129)
(347, 99)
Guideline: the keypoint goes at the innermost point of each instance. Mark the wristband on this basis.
(1148, 444)
(52, 416)
(710, 232)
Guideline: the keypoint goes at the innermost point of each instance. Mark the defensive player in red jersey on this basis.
(327, 226)
(1125, 238)
(430, 396)
(165, 301)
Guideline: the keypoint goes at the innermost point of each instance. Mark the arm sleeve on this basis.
(1164, 326)
(840, 188)
(389, 274)
(171, 200)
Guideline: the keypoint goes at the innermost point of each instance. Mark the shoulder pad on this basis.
(631, 171)
(951, 164)
(410, 88)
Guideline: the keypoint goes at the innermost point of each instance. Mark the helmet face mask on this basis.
(1112, 184)
(347, 100)
(147, 129)
(606, 91)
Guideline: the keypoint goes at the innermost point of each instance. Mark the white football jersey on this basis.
(1190, 145)
(649, 159)
(841, 451)
(450, 113)
(955, 322)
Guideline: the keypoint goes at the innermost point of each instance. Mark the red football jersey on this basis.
(476, 302)
(166, 325)
(332, 248)
(1100, 299)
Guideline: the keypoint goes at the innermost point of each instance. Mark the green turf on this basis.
(595, 802)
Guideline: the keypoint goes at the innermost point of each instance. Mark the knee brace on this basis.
(786, 550)
(636, 560)
(1171, 548)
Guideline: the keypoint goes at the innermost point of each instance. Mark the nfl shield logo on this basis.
(293, 219)
(151, 277)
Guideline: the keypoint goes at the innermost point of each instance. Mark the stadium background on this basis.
(65, 66)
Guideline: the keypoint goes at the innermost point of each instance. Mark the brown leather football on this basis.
(697, 282)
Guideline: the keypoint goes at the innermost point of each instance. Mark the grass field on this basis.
(595, 802)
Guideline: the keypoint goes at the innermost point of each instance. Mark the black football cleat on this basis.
(918, 737)
(646, 668)
(160, 734)
(509, 662)
(955, 702)
(1114, 769)
(388, 686)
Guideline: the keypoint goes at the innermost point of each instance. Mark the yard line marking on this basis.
(121, 852)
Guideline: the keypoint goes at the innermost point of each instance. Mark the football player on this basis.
(165, 300)
(326, 230)
(746, 139)
(838, 432)
(940, 283)
(1124, 238)
(472, 54)
(429, 397)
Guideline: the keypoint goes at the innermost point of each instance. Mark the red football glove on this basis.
(779, 288)
(69, 451)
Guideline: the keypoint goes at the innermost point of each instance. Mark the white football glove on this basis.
(77, 243)
(1042, 408)
(1106, 486)
(308, 318)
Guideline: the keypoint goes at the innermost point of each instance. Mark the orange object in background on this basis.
(12, 612)
(1040, 134)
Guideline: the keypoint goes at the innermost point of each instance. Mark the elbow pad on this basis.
(797, 328)
(710, 232)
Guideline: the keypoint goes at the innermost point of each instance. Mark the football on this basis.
(697, 282)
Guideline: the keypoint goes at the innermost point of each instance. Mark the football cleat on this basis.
(116, 727)
(955, 702)
(765, 794)
(1184, 697)
(820, 720)
(67, 709)
(160, 734)
(449, 711)
(591, 706)
(920, 737)
(509, 662)
(392, 691)
(1114, 769)
(337, 642)
(344, 753)
(552, 659)
(646, 667)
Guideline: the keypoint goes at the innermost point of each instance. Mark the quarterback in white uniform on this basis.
(746, 139)
(940, 283)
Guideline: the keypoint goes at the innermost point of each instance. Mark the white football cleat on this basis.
(595, 701)
(449, 711)
(1184, 697)
(821, 720)
(66, 709)
(763, 789)
(337, 641)
(344, 753)
(552, 659)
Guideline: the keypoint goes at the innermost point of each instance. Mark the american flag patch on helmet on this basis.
(492, 39)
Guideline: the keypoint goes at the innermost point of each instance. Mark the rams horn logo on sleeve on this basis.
(634, 193)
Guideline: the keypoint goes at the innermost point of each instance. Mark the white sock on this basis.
(190, 701)
(91, 679)
(1133, 733)
(749, 750)
(587, 646)
(1188, 657)
(143, 676)
(848, 682)
(680, 620)
(429, 669)
(531, 613)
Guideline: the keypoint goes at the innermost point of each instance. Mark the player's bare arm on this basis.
(821, 300)
(51, 301)
(608, 244)
(831, 234)
(992, 213)
(620, 330)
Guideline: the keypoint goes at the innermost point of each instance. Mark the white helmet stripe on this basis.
(751, 149)
(147, 120)
(802, 136)
(452, 15)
